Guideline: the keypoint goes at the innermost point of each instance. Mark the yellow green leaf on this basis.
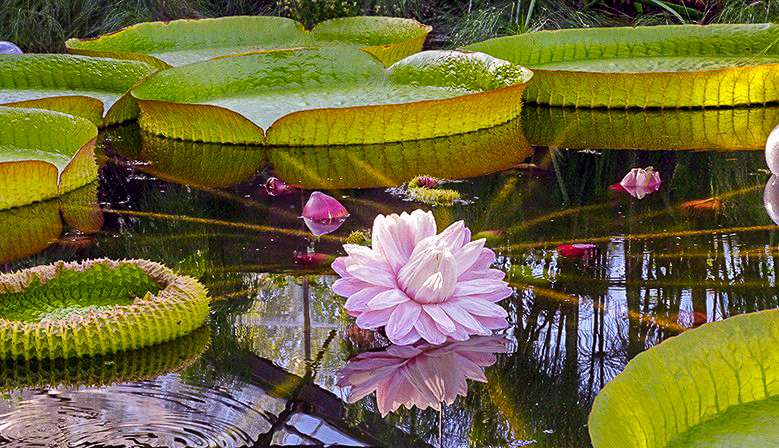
(181, 42)
(714, 386)
(330, 96)
(673, 66)
(91, 88)
(43, 154)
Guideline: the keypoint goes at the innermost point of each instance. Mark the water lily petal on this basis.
(372, 274)
(346, 286)
(374, 319)
(339, 266)
(402, 319)
(360, 300)
(439, 316)
(481, 307)
(463, 318)
(428, 330)
(387, 298)
(468, 255)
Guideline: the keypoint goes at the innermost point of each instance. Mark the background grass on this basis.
(44, 25)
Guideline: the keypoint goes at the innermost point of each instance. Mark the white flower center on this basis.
(430, 275)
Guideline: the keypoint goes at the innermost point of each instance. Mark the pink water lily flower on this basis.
(420, 375)
(641, 181)
(421, 285)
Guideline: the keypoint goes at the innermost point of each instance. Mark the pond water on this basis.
(265, 368)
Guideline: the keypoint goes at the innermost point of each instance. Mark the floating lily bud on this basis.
(578, 250)
(772, 151)
(323, 214)
(275, 187)
(9, 48)
(641, 181)
(425, 182)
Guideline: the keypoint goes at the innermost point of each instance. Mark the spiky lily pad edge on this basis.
(177, 309)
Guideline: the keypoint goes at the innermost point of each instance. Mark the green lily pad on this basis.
(190, 163)
(391, 164)
(700, 129)
(29, 229)
(181, 42)
(330, 96)
(96, 307)
(714, 386)
(92, 88)
(675, 66)
(43, 154)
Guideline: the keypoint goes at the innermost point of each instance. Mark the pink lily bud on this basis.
(323, 214)
(641, 181)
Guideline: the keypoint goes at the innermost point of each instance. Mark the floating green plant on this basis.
(92, 88)
(43, 154)
(675, 66)
(95, 307)
(425, 189)
(330, 96)
(713, 386)
(181, 42)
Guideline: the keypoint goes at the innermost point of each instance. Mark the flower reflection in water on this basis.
(421, 375)
(421, 285)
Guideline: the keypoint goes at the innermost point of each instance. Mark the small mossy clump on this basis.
(95, 307)
(424, 189)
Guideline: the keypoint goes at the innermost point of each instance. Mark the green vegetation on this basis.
(43, 26)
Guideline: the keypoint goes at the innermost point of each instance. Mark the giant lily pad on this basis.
(647, 67)
(180, 42)
(330, 96)
(714, 386)
(92, 88)
(96, 307)
(700, 129)
(29, 229)
(43, 154)
(390, 164)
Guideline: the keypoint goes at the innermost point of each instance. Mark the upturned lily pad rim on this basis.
(65, 72)
(32, 180)
(487, 81)
(726, 86)
(387, 50)
(179, 307)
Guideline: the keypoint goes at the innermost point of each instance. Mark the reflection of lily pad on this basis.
(193, 163)
(391, 164)
(95, 307)
(181, 42)
(134, 365)
(646, 67)
(92, 88)
(43, 154)
(31, 228)
(714, 386)
(330, 96)
(731, 128)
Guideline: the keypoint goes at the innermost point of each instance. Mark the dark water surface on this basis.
(262, 372)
